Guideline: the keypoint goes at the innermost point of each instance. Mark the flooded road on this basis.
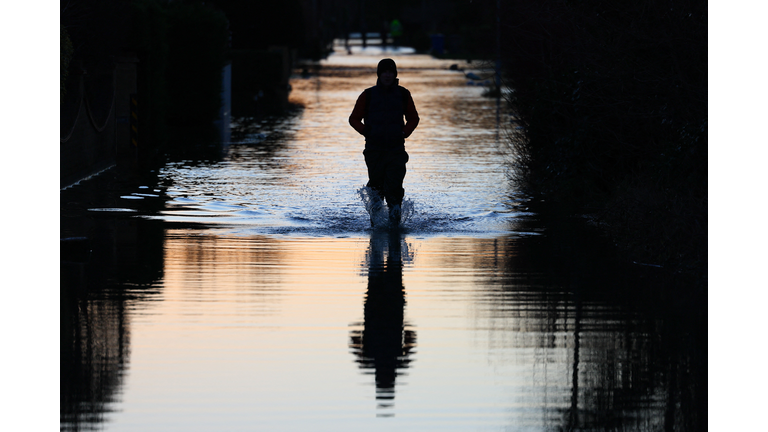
(250, 292)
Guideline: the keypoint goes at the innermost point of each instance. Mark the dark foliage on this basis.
(259, 25)
(612, 98)
(468, 27)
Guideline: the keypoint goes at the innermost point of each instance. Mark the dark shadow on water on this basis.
(386, 341)
(110, 262)
(259, 139)
(635, 335)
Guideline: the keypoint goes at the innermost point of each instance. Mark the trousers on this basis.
(386, 171)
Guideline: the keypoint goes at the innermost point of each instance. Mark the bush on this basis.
(613, 101)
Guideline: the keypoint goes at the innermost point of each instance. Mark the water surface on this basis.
(249, 292)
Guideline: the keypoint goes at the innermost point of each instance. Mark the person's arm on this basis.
(411, 117)
(356, 118)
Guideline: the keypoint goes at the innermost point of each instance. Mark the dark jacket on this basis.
(378, 115)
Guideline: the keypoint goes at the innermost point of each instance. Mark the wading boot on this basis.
(394, 215)
(375, 209)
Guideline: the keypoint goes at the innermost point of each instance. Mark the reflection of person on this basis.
(378, 115)
(385, 342)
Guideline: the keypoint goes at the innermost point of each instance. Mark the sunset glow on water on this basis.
(251, 293)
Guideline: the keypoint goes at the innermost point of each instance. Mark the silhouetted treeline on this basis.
(612, 101)
(259, 25)
(469, 27)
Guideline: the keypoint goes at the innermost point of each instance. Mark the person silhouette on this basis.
(396, 30)
(378, 116)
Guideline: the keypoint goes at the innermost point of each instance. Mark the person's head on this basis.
(387, 71)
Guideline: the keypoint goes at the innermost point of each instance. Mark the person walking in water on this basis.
(378, 116)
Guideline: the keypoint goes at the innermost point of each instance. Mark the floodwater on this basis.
(249, 292)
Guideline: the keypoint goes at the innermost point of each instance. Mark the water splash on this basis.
(379, 212)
